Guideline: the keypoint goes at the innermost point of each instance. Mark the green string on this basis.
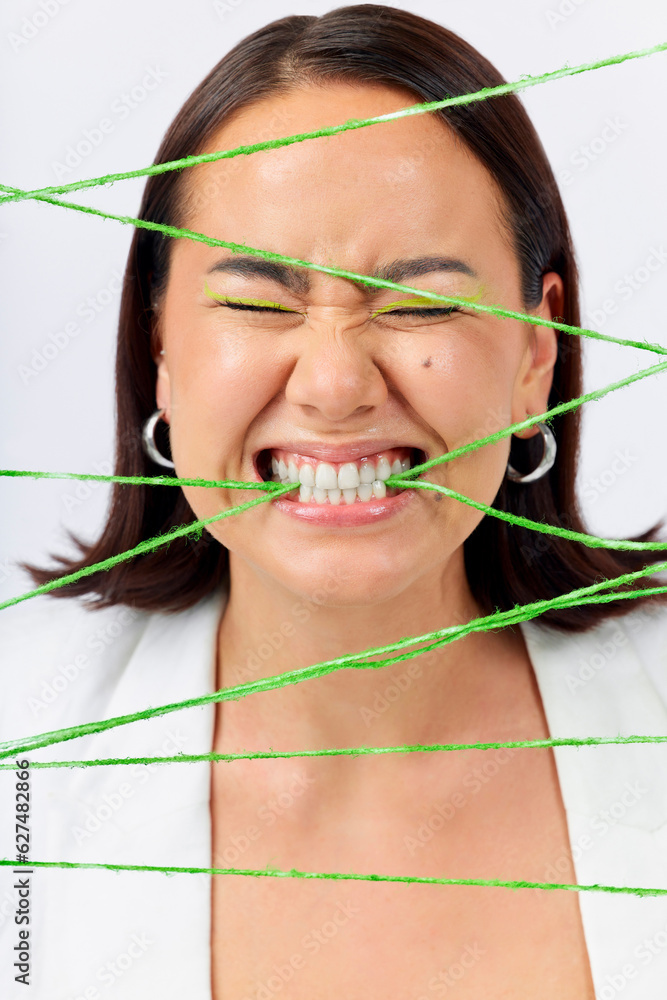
(148, 545)
(277, 489)
(343, 876)
(494, 310)
(416, 109)
(391, 481)
(440, 637)
(435, 639)
(197, 758)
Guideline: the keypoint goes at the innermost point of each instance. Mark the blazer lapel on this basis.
(150, 929)
(596, 684)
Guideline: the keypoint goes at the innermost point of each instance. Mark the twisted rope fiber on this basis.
(525, 81)
(495, 310)
(345, 876)
(587, 595)
(195, 527)
(198, 758)
(440, 637)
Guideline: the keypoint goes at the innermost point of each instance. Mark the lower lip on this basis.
(346, 515)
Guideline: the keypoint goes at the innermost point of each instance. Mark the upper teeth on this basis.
(350, 475)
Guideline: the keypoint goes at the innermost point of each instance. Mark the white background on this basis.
(73, 72)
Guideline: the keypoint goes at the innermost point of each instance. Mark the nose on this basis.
(335, 374)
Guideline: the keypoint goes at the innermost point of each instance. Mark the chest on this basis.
(481, 814)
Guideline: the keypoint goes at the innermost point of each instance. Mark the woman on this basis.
(265, 371)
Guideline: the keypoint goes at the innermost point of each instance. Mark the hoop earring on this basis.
(148, 441)
(548, 458)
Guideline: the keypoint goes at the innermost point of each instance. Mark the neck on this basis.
(437, 696)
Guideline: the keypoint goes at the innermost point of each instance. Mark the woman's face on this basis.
(331, 374)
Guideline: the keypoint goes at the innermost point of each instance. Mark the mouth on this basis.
(330, 483)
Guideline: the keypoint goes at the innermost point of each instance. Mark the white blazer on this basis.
(102, 934)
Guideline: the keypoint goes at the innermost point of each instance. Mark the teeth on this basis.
(348, 477)
(306, 476)
(367, 472)
(320, 483)
(383, 470)
(326, 478)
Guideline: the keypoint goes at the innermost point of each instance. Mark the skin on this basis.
(335, 368)
(230, 382)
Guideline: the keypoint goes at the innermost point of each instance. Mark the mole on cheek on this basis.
(426, 363)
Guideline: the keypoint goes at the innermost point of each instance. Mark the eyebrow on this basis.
(297, 279)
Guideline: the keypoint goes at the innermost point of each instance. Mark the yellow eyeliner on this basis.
(418, 301)
(243, 301)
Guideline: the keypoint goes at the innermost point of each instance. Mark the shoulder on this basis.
(59, 656)
(66, 661)
(625, 656)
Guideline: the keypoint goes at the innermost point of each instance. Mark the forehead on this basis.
(410, 182)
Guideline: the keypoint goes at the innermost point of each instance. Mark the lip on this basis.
(345, 515)
(350, 515)
(348, 452)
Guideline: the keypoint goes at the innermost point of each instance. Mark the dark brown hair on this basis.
(362, 44)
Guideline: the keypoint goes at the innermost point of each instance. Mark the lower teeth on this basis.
(364, 493)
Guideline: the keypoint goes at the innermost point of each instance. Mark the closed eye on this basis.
(253, 308)
(446, 311)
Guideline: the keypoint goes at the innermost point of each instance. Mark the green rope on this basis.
(277, 489)
(345, 876)
(416, 109)
(197, 758)
(494, 310)
(391, 481)
(436, 639)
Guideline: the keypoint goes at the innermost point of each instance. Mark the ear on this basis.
(535, 376)
(162, 385)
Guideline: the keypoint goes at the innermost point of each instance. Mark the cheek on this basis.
(464, 392)
(217, 390)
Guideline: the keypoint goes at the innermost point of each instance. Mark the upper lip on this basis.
(348, 452)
